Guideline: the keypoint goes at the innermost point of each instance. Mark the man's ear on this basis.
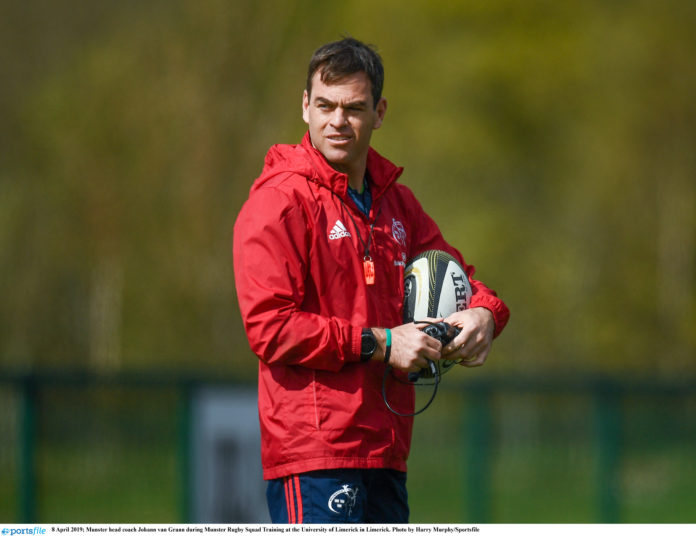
(381, 111)
(305, 107)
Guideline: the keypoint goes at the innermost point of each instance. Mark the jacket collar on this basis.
(383, 173)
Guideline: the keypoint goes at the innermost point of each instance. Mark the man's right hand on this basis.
(410, 347)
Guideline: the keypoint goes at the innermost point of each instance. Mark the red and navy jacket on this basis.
(299, 245)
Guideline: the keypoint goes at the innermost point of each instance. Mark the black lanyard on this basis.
(368, 264)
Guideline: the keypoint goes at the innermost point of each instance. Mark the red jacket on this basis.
(298, 262)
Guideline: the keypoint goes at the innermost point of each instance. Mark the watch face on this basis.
(369, 344)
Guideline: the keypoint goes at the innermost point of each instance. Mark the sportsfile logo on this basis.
(339, 231)
(30, 530)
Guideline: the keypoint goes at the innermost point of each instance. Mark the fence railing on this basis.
(110, 433)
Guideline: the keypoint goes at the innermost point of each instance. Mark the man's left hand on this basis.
(473, 343)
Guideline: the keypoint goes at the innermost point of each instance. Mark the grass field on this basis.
(113, 456)
(542, 462)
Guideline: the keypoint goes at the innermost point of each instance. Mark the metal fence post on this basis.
(26, 478)
(185, 408)
(478, 467)
(608, 417)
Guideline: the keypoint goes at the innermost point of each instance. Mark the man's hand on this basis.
(473, 343)
(410, 347)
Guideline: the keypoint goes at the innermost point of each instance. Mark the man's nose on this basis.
(338, 117)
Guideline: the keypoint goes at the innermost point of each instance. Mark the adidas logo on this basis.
(338, 231)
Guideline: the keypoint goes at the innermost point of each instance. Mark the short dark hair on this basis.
(342, 58)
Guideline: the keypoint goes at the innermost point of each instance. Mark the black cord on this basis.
(435, 371)
(436, 374)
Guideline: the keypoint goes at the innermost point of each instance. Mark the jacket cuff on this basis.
(495, 305)
(356, 344)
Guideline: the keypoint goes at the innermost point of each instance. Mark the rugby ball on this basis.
(435, 286)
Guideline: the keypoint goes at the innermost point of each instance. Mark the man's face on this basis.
(341, 118)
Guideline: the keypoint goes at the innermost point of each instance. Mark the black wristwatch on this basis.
(368, 345)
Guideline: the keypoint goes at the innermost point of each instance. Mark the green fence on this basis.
(110, 449)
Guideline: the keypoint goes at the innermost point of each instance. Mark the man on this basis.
(319, 251)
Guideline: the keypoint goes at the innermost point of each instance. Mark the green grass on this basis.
(554, 485)
(140, 484)
(101, 456)
(8, 500)
(659, 484)
(107, 483)
(544, 466)
(115, 459)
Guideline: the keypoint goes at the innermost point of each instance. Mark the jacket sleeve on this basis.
(270, 246)
(427, 235)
